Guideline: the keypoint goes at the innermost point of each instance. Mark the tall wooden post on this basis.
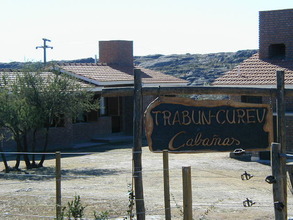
(166, 185)
(137, 146)
(281, 120)
(281, 138)
(279, 183)
(187, 193)
(58, 185)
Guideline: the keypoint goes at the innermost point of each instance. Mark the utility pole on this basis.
(45, 46)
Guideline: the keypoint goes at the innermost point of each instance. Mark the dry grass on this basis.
(101, 180)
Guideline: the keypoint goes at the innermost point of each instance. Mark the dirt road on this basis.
(101, 179)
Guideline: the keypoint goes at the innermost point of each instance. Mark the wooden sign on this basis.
(187, 125)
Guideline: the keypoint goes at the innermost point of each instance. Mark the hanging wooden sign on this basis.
(187, 125)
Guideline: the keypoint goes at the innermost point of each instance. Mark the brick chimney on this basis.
(276, 34)
(116, 52)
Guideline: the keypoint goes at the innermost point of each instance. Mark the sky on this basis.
(155, 26)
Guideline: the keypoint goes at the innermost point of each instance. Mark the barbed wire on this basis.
(32, 216)
(156, 211)
(145, 171)
(112, 151)
(48, 153)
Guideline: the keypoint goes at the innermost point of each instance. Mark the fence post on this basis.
(281, 136)
(166, 185)
(289, 169)
(187, 193)
(278, 164)
(137, 146)
(58, 185)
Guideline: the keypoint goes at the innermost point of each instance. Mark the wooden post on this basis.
(187, 193)
(281, 126)
(58, 185)
(290, 176)
(279, 183)
(137, 146)
(166, 185)
(281, 120)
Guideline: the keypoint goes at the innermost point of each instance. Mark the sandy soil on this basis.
(101, 179)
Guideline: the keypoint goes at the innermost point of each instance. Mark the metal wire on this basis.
(145, 171)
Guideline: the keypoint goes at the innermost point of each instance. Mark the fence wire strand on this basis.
(147, 171)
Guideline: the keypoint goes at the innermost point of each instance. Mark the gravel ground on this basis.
(102, 180)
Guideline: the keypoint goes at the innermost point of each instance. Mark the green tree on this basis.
(35, 98)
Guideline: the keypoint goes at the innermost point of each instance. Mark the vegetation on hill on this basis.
(198, 69)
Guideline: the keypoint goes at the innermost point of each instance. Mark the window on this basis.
(113, 106)
(58, 121)
(91, 116)
(251, 99)
(277, 51)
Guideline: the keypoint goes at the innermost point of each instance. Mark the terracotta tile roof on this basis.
(101, 74)
(98, 73)
(10, 75)
(156, 77)
(256, 72)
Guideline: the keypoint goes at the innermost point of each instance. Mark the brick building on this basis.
(115, 69)
(259, 71)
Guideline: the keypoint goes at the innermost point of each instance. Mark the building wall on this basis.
(67, 136)
(79, 132)
(275, 27)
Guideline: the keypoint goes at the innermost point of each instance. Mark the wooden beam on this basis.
(166, 185)
(187, 193)
(281, 137)
(279, 185)
(184, 90)
(58, 185)
(137, 147)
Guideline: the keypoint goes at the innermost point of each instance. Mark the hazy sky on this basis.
(155, 26)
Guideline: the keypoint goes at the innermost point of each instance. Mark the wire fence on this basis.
(103, 181)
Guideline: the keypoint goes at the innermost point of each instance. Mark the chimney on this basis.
(276, 34)
(116, 52)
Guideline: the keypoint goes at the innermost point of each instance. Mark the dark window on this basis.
(113, 106)
(58, 121)
(91, 116)
(251, 99)
(277, 51)
(82, 117)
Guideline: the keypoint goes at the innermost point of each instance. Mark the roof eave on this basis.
(289, 86)
(116, 83)
(78, 76)
(163, 84)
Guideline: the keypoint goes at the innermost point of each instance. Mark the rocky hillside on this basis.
(198, 69)
(17, 65)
